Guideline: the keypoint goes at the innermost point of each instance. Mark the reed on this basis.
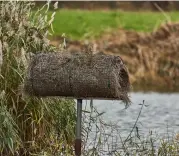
(28, 125)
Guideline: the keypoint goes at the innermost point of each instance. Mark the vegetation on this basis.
(28, 125)
(78, 24)
(35, 126)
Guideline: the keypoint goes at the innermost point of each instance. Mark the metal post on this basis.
(78, 128)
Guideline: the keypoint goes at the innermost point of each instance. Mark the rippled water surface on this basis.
(161, 113)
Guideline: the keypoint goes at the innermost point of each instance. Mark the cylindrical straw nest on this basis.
(77, 75)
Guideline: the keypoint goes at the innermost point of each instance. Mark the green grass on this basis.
(79, 24)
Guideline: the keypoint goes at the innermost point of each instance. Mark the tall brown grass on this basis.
(28, 125)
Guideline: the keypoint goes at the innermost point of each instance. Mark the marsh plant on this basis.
(29, 125)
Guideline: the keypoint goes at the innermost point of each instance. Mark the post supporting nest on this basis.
(78, 128)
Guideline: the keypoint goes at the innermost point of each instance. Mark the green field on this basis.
(79, 24)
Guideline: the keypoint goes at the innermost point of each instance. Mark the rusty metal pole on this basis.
(78, 128)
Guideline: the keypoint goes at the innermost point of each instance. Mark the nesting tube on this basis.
(78, 75)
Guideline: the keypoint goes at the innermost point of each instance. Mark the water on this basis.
(159, 119)
(161, 113)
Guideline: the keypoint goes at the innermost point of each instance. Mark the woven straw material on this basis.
(77, 75)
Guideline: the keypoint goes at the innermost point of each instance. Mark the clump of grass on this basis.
(28, 125)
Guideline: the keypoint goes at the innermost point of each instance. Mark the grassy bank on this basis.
(80, 23)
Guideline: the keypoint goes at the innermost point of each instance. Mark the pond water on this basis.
(160, 113)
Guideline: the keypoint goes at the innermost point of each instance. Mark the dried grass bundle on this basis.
(77, 75)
